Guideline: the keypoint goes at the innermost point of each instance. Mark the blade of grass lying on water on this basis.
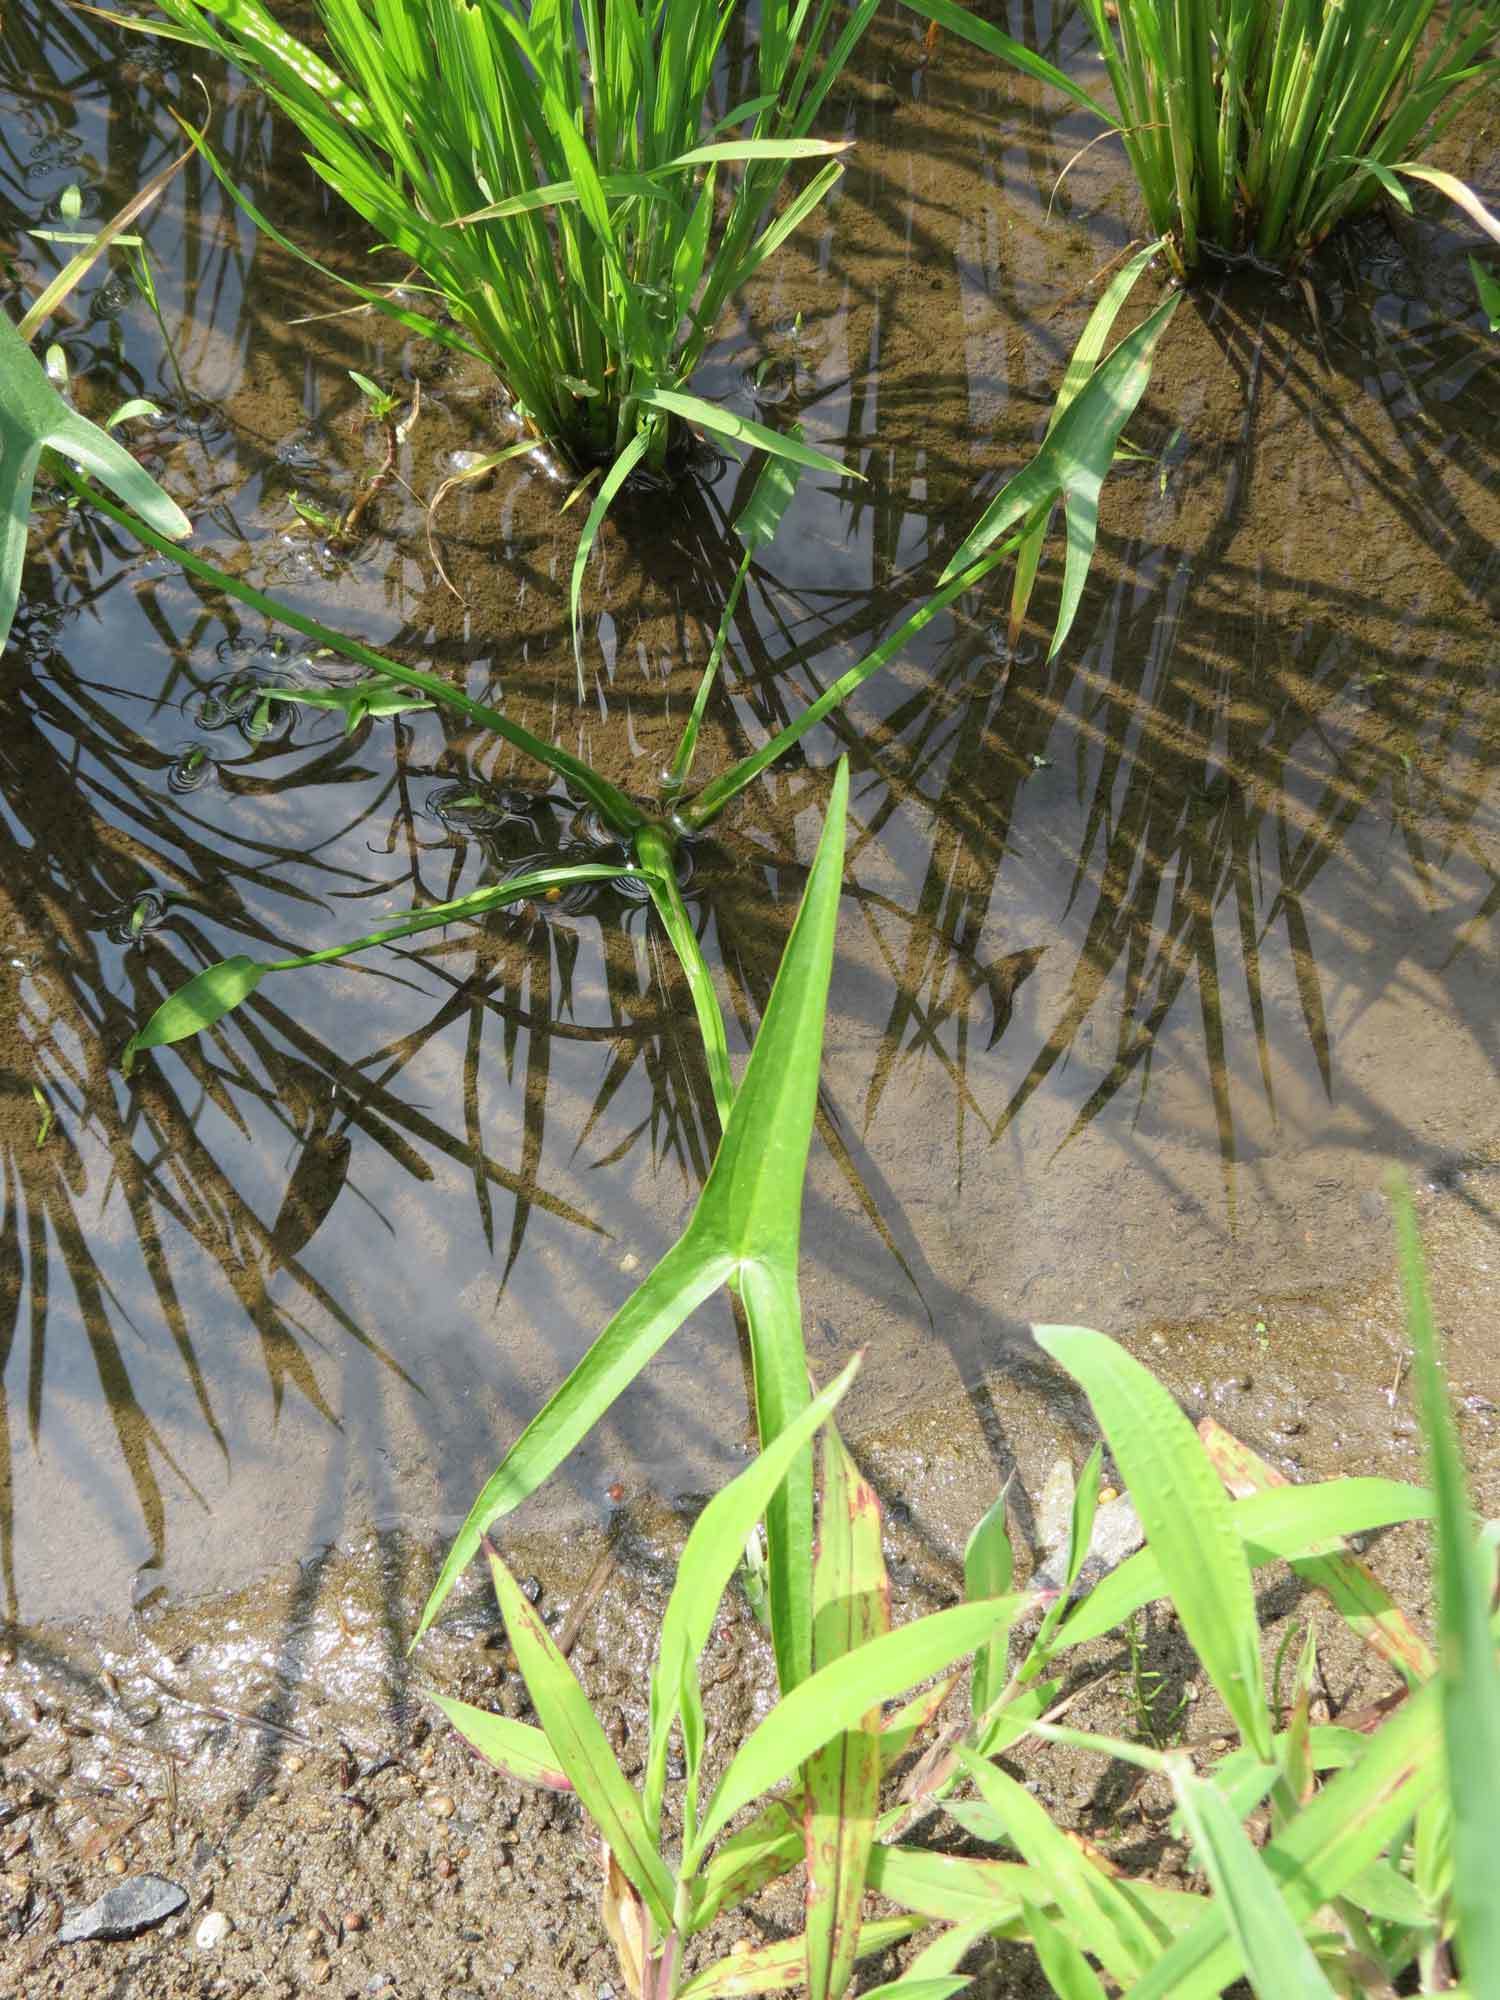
(747, 1221)
(1468, 1677)
(216, 991)
(1070, 466)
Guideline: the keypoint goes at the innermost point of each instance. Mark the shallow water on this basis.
(1151, 958)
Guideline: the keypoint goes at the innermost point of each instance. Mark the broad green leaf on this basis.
(988, 1569)
(1487, 285)
(34, 418)
(708, 1561)
(771, 1968)
(1071, 466)
(208, 996)
(513, 1747)
(581, 1747)
(743, 431)
(851, 1607)
(760, 517)
(1187, 1516)
(1101, 1919)
(837, 1696)
(1282, 1524)
(748, 1220)
(1468, 1677)
(1276, 1956)
(1067, 1971)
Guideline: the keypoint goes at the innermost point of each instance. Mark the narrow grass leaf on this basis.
(851, 1606)
(770, 1846)
(962, 21)
(513, 1747)
(609, 486)
(1102, 1920)
(989, 1566)
(709, 1558)
(1279, 1525)
(744, 431)
(581, 1747)
(1319, 1853)
(1067, 1971)
(1468, 1678)
(1277, 1958)
(1360, 1599)
(1187, 1516)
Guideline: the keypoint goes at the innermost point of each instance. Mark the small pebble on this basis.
(630, 1262)
(213, 1930)
(354, 1920)
(440, 1805)
(114, 1864)
(294, 1764)
(445, 1866)
(320, 1972)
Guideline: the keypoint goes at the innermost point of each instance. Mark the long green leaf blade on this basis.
(581, 1747)
(1468, 1676)
(851, 1606)
(1276, 1956)
(1187, 1516)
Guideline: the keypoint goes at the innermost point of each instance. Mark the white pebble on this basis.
(213, 1930)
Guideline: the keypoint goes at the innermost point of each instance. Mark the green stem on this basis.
(620, 813)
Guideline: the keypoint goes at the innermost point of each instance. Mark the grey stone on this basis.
(127, 1907)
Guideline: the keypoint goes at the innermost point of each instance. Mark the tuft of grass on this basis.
(1256, 127)
(575, 213)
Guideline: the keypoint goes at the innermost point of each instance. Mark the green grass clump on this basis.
(564, 193)
(1257, 126)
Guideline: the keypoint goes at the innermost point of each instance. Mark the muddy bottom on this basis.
(273, 1755)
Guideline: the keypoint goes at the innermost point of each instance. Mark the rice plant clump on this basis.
(1255, 127)
(558, 181)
